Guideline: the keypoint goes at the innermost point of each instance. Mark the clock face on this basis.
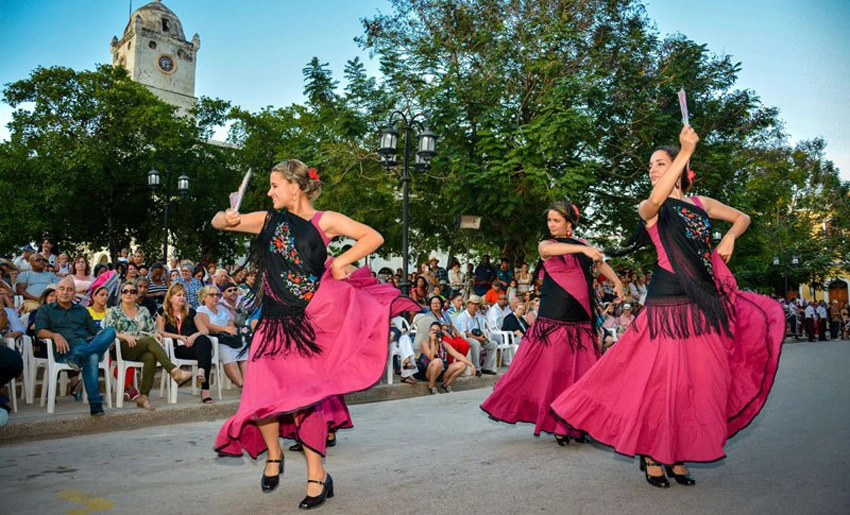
(165, 63)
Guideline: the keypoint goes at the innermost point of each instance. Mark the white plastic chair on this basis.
(216, 364)
(505, 342)
(121, 367)
(53, 369)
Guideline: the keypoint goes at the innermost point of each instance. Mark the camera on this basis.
(439, 334)
(476, 332)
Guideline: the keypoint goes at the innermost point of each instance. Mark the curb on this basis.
(58, 426)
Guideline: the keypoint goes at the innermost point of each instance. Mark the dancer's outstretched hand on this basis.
(688, 138)
(232, 217)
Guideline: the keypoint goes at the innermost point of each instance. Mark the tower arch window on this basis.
(165, 25)
(152, 44)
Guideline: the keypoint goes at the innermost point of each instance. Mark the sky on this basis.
(794, 55)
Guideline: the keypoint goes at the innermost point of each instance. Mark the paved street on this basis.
(441, 454)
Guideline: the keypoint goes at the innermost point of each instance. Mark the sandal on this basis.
(76, 390)
(408, 380)
(207, 400)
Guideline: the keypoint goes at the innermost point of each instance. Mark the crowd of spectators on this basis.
(149, 304)
(145, 306)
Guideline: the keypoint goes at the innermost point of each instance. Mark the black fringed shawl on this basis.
(559, 309)
(289, 255)
(688, 300)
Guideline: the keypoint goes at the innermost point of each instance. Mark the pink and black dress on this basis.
(317, 338)
(696, 365)
(558, 349)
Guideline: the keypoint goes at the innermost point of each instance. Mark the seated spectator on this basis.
(433, 363)
(456, 307)
(63, 265)
(419, 292)
(523, 279)
(175, 319)
(403, 344)
(200, 273)
(174, 275)
(192, 284)
(49, 256)
(609, 325)
(625, 319)
(132, 272)
(158, 286)
(124, 256)
(491, 298)
(32, 283)
(79, 341)
(456, 278)
(471, 324)
(505, 273)
(437, 271)
(6, 269)
(139, 258)
(250, 277)
(498, 311)
(15, 327)
(215, 319)
(142, 284)
(97, 309)
(515, 323)
(22, 262)
(81, 275)
(136, 330)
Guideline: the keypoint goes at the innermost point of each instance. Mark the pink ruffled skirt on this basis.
(351, 319)
(540, 372)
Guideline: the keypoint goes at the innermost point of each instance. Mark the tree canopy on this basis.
(531, 101)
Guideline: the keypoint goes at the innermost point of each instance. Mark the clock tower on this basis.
(155, 51)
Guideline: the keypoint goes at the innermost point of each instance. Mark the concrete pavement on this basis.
(441, 454)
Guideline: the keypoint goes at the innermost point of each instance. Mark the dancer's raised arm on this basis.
(668, 176)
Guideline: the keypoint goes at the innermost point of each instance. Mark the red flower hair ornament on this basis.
(691, 175)
(313, 174)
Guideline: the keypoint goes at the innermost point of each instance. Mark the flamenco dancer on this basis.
(562, 343)
(323, 331)
(697, 364)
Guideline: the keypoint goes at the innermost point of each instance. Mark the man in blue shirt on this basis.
(484, 276)
(79, 341)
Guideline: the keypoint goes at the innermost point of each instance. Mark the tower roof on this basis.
(158, 18)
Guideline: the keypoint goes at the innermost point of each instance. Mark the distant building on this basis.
(155, 51)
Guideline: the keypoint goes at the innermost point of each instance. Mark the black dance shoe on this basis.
(331, 441)
(582, 438)
(296, 447)
(562, 440)
(269, 483)
(682, 479)
(327, 492)
(657, 481)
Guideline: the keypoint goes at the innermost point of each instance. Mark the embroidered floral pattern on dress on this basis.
(698, 229)
(301, 285)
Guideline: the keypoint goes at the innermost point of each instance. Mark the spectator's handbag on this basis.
(231, 340)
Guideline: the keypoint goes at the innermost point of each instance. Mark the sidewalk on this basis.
(32, 422)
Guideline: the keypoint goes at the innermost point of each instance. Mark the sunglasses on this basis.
(40, 259)
(130, 292)
(229, 290)
(213, 295)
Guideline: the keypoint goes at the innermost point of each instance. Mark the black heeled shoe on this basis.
(331, 442)
(562, 440)
(269, 483)
(296, 447)
(682, 479)
(582, 438)
(327, 492)
(656, 481)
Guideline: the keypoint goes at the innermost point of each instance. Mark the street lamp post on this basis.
(422, 162)
(154, 182)
(795, 262)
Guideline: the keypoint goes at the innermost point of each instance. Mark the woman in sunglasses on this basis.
(135, 329)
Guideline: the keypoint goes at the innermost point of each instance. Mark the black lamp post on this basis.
(182, 188)
(795, 262)
(422, 162)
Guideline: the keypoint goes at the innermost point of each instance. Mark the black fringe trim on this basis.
(679, 317)
(543, 328)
